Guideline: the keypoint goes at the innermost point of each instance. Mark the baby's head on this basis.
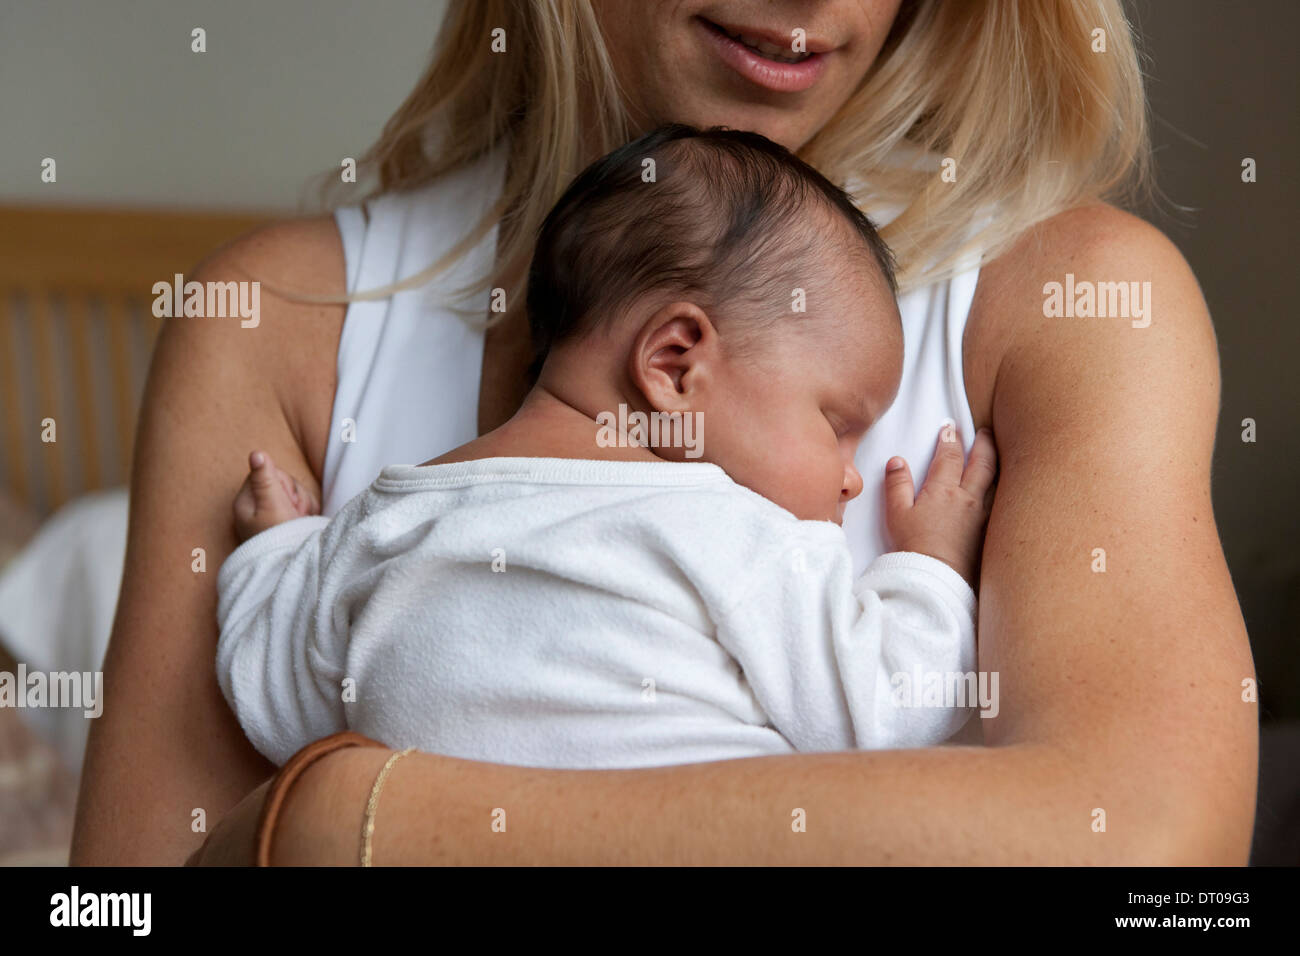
(715, 275)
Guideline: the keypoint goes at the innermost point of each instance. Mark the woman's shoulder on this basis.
(303, 254)
(1098, 235)
(1092, 264)
(1093, 243)
(291, 347)
(295, 263)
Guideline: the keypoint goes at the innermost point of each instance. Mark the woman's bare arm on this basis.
(1119, 691)
(167, 744)
(1107, 432)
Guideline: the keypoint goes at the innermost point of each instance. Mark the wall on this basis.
(111, 90)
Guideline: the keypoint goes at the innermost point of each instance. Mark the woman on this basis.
(1105, 604)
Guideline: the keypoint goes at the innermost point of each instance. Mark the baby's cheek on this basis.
(814, 480)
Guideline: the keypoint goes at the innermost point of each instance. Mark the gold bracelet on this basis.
(368, 830)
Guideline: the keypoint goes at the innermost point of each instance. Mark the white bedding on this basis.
(57, 599)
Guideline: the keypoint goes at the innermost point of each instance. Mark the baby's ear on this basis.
(673, 355)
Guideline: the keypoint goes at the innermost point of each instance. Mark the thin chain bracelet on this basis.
(368, 830)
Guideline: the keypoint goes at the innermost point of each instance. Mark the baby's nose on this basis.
(852, 486)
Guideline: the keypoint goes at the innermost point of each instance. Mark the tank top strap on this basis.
(409, 362)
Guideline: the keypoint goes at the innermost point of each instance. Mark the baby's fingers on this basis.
(899, 493)
(263, 482)
(945, 467)
(982, 465)
(272, 490)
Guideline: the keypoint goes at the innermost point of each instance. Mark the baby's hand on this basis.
(269, 497)
(946, 520)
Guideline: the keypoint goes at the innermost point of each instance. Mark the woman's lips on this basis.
(770, 74)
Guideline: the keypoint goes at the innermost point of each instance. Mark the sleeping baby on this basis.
(645, 565)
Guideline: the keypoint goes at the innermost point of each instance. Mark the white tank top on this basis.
(408, 367)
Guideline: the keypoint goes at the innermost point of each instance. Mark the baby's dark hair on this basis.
(726, 219)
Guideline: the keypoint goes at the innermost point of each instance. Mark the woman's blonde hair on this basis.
(1039, 106)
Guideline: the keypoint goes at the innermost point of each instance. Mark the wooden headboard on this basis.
(76, 331)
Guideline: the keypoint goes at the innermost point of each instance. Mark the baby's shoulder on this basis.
(729, 526)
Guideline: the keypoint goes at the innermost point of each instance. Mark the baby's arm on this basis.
(839, 663)
(278, 658)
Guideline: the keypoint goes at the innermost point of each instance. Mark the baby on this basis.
(602, 581)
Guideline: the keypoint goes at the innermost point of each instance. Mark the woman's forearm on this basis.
(1007, 805)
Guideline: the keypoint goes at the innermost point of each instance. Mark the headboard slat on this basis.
(50, 404)
(121, 377)
(14, 437)
(78, 307)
